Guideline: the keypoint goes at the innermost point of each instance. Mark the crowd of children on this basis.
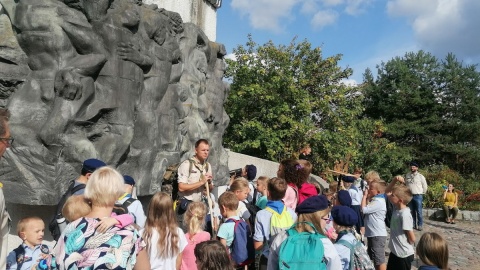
(288, 223)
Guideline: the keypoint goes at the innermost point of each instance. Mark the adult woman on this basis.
(83, 247)
(450, 207)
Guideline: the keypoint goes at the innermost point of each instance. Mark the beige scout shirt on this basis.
(416, 182)
(184, 176)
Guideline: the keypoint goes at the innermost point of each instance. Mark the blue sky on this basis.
(366, 32)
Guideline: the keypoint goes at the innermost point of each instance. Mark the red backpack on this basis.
(306, 190)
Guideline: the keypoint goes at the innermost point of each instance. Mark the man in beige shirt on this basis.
(5, 141)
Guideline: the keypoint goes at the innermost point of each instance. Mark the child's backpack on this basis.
(302, 251)
(359, 259)
(242, 249)
(53, 226)
(305, 191)
(279, 222)
(252, 209)
(47, 263)
(390, 208)
(122, 208)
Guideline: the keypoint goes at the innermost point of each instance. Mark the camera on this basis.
(236, 172)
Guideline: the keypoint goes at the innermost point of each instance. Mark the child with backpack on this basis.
(276, 217)
(432, 250)
(31, 254)
(352, 252)
(234, 233)
(356, 194)
(304, 245)
(375, 229)
(241, 189)
(194, 222)
(296, 173)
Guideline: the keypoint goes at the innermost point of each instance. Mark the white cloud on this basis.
(442, 26)
(323, 18)
(265, 14)
(355, 7)
(231, 56)
(349, 82)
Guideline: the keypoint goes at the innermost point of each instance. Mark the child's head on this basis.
(160, 211)
(344, 217)
(401, 195)
(376, 187)
(287, 171)
(343, 198)
(240, 188)
(228, 202)
(276, 188)
(304, 169)
(212, 255)
(31, 230)
(432, 249)
(371, 176)
(195, 217)
(76, 207)
(314, 210)
(262, 183)
(348, 181)
(358, 172)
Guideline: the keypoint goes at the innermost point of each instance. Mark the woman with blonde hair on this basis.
(194, 222)
(432, 250)
(450, 205)
(313, 215)
(165, 240)
(82, 246)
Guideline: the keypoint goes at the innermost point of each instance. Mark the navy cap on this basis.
(413, 163)
(251, 172)
(127, 179)
(344, 198)
(312, 204)
(92, 164)
(344, 216)
(348, 179)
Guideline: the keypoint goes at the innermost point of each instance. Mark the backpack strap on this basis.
(255, 193)
(19, 256)
(305, 222)
(352, 251)
(128, 202)
(76, 188)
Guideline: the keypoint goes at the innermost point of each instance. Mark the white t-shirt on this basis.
(157, 263)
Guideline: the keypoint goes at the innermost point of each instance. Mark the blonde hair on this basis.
(239, 184)
(22, 224)
(104, 187)
(371, 176)
(378, 185)
(263, 180)
(76, 207)
(314, 218)
(432, 249)
(403, 193)
(195, 217)
(161, 218)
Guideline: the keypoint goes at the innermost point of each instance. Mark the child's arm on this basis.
(120, 221)
(364, 199)
(396, 179)
(223, 241)
(410, 236)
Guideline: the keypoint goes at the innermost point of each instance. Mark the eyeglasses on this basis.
(8, 141)
(327, 220)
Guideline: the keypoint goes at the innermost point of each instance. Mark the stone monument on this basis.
(123, 81)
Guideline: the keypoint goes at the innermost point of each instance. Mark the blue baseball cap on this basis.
(92, 164)
(127, 179)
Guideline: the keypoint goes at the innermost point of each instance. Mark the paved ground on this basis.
(463, 242)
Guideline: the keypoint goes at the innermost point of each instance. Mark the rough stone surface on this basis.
(121, 81)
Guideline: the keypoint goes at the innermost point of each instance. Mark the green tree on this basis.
(282, 97)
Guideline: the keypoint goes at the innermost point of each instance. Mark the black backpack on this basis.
(122, 208)
(53, 225)
(252, 209)
(390, 208)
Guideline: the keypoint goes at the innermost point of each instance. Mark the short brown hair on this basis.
(228, 200)
(276, 188)
(432, 249)
(22, 224)
(262, 179)
(403, 193)
(4, 116)
(197, 143)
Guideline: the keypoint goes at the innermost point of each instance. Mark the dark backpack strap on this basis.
(76, 188)
(128, 202)
(255, 193)
(19, 256)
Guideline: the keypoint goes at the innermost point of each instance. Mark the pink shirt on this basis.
(188, 256)
(290, 200)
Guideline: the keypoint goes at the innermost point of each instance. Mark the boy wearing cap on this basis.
(344, 218)
(133, 205)
(375, 229)
(356, 195)
(88, 167)
(402, 237)
(250, 172)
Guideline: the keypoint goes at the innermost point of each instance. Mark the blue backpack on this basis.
(302, 251)
(242, 250)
